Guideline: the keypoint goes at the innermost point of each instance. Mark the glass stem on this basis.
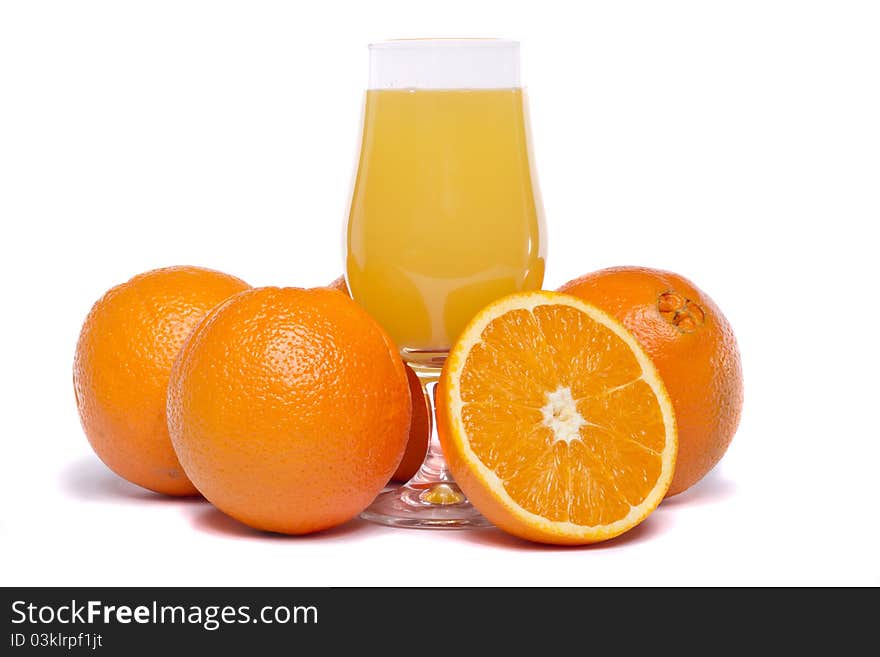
(431, 499)
(433, 469)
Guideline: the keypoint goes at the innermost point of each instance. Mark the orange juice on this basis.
(445, 214)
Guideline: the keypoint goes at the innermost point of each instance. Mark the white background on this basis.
(737, 143)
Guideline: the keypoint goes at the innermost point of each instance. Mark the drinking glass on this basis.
(445, 218)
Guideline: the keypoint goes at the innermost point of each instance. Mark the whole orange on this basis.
(123, 360)
(289, 409)
(420, 428)
(692, 346)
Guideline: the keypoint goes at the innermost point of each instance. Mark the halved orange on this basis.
(554, 421)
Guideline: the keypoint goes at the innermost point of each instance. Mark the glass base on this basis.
(439, 505)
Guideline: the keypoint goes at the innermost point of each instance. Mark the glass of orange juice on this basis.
(445, 218)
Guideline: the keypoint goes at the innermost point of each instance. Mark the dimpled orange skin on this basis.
(123, 359)
(289, 408)
(693, 347)
(420, 429)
